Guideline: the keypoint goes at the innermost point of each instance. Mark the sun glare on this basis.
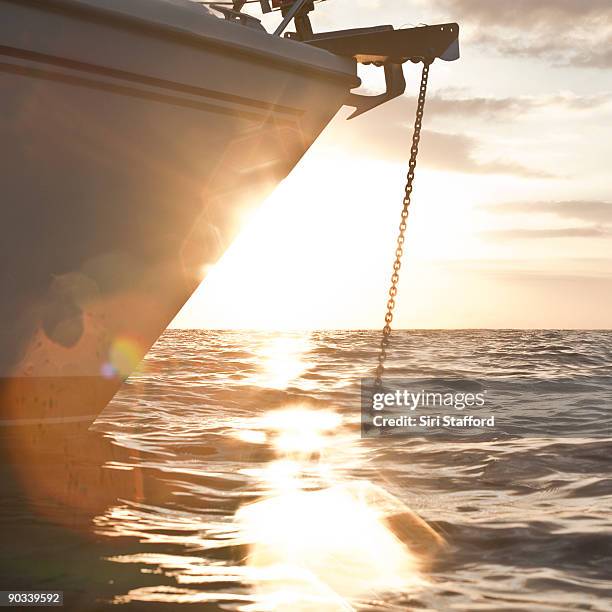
(317, 540)
(317, 253)
(282, 360)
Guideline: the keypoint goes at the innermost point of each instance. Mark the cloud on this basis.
(528, 12)
(443, 105)
(566, 50)
(558, 266)
(458, 153)
(597, 213)
(386, 131)
(458, 102)
(388, 136)
(577, 32)
(450, 102)
(564, 232)
(590, 211)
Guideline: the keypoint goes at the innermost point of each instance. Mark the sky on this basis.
(511, 220)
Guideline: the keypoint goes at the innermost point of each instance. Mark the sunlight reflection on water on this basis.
(282, 359)
(313, 539)
(329, 536)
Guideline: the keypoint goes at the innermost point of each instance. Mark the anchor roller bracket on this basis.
(396, 86)
(384, 46)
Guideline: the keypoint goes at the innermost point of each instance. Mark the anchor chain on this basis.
(399, 251)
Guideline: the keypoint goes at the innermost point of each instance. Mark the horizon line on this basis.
(310, 329)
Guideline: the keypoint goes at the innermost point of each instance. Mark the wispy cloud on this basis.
(459, 153)
(564, 232)
(389, 136)
(577, 32)
(597, 213)
(526, 12)
(456, 103)
(594, 267)
(591, 211)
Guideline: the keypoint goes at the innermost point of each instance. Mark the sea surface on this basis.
(258, 493)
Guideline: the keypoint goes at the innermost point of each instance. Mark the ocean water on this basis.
(262, 495)
(255, 491)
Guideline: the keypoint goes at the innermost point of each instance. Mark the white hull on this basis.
(134, 136)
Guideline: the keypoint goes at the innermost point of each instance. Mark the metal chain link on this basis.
(399, 251)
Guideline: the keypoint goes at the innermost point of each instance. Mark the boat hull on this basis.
(133, 146)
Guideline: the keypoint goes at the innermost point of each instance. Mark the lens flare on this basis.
(124, 356)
